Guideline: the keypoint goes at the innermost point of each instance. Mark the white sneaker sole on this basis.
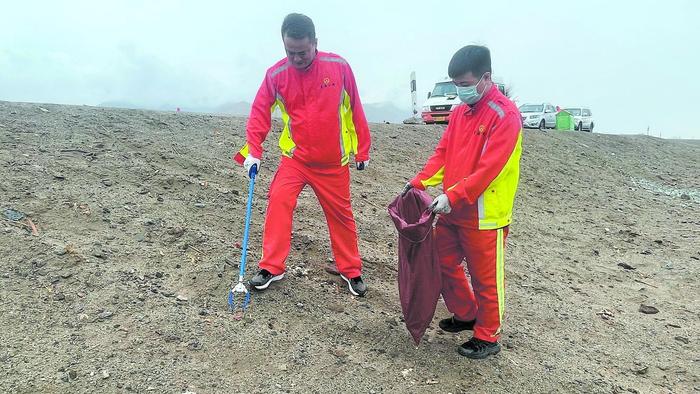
(349, 286)
(273, 279)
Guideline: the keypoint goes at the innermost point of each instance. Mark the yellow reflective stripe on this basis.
(435, 179)
(351, 140)
(500, 275)
(244, 151)
(500, 194)
(286, 143)
(348, 134)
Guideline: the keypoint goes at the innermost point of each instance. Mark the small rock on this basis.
(647, 252)
(641, 370)
(195, 345)
(140, 237)
(685, 196)
(181, 298)
(626, 266)
(283, 367)
(59, 297)
(683, 340)
(176, 231)
(72, 374)
(104, 315)
(405, 372)
(42, 109)
(107, 182)
(648, 309)
(159, 274)
(199, 205)
(105, 374)
(340, 353)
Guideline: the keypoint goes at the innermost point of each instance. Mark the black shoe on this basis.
(263, 279)
(356, 285)
(451, 324)
(477, 348)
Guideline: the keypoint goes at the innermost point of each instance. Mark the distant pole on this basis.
(413, 94)
(647, 130)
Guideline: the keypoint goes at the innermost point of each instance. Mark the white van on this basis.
(443, 99)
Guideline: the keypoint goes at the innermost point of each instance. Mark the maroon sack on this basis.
(419, 269)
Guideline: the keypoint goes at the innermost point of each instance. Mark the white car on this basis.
(538, 116)
(583, 118)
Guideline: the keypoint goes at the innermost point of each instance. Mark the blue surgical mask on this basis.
(469, 94)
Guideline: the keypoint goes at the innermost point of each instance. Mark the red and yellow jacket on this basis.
(478, 162)
(324, 122)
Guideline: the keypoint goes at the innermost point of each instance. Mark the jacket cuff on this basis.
(452, 197)
(360, 158)
(416, 183)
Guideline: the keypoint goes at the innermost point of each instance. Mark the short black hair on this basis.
(474, 58)
(298, 26)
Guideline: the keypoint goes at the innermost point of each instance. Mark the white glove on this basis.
(249, 162)
(441, 204)
(361, 165)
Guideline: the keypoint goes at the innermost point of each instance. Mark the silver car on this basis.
(583, 118)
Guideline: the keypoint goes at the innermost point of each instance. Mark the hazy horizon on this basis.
(633, 65)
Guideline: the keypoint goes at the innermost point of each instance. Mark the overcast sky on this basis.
(636, 64)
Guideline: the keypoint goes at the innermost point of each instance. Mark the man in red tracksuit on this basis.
(477, 161)
(324, 124)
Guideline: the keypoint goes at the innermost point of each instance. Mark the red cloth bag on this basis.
(419, 267)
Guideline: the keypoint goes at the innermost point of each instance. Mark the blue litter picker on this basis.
(239, 296)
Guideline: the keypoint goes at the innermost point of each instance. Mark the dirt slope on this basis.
(138, 213)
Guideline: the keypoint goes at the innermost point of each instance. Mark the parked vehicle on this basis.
(583, 118)
(538, 116)
(443, 99)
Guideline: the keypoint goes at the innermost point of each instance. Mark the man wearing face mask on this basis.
(477, 162)
(324, 124)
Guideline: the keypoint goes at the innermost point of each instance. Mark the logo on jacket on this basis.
(481, 130)
(327, 82)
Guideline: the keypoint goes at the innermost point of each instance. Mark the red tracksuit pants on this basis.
(332, 188)
(483, 252)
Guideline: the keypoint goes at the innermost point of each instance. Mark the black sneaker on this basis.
(451, 324)
(263, 279)
(356, 285)
(477, 348)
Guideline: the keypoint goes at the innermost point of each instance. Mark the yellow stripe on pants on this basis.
(500, 274)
